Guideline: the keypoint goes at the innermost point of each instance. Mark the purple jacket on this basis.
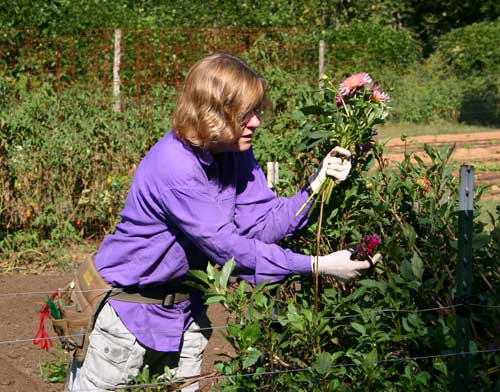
(186, 207)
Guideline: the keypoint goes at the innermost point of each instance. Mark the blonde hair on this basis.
(218, 92)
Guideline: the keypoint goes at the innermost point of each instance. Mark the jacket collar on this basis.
(206, 158)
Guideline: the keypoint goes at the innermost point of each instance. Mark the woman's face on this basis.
(249, 124)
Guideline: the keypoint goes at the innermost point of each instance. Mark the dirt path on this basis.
(481, 150)
(20, 361)
(21, 298)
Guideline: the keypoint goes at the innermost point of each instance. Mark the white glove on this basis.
(336, 164)
(341, 267)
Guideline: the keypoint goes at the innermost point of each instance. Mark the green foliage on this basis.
(431, 19)
(54, 371)
(366, 332)
(68, 164)
(472, 50)
(428, 92)
(65, 17)
(473, 55)
(372, 48)
(152, 382)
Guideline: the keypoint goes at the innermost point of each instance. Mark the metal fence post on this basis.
(464, 276)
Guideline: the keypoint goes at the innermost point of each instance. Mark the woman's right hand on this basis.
(341, 267)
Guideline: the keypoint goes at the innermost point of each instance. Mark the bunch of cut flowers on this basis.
(347, 117)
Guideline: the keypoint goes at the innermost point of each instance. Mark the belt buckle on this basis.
(168, 300)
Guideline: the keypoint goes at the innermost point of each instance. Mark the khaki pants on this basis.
(114, 355)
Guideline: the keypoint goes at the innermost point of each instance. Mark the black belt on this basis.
(152, 295)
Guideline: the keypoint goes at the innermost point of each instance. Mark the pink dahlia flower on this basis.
(378, 96)
(354, 82)
(372, 241)
(368, 244)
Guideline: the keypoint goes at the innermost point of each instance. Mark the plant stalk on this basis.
(315, 269)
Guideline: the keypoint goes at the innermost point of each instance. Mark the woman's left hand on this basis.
(336, 164)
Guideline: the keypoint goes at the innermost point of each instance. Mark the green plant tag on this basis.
(55, 313)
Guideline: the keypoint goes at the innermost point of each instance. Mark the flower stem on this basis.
(305, 203)
(316, 273)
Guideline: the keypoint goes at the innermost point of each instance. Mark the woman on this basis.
(198, 195)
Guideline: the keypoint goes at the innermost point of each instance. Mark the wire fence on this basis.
(152, 59)
(142, 66)
(442, 311)
(215, 376)
(340, 317)
(175, 332)
(149, 56)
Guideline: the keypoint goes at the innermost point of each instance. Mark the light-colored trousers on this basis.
(114, 355)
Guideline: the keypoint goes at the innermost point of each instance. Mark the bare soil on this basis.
(21, 299)
(22, 294)
(481, 150)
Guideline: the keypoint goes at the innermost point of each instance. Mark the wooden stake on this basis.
(117, 107)
(321, 65)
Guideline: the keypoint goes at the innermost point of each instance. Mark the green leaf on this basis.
(198, 274)
(319, 135)
(423, 378)
(323, 363)
(252, 355)
(195, 285)
(417, 266)
(297, 115)
(406, 326)
(379, 285)
(215, 299)
(233, 329)
(211, 272)
(227, 270)
(410, 235)
(307, 110)
(406, 270)
(440, 365)
(251, 333)
(358, 327)
(371, 357)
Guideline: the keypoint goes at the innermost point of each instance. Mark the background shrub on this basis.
(426, 92)
(472, 50)
(68, 163)
(473, 55)
(368, 47)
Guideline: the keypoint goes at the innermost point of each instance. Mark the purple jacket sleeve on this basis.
(206, 224)
(259, 213)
